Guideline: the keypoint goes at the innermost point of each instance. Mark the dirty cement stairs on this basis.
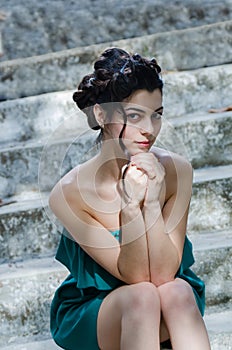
(41, 128)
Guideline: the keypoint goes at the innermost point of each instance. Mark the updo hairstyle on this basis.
(117, 74)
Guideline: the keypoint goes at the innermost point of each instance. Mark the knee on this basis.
(177, 295)
(143, 298)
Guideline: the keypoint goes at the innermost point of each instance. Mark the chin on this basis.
(137, 151)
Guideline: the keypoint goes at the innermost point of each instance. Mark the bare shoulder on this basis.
(172, 162)
(73, 189)
(66, 190)
(178, 171)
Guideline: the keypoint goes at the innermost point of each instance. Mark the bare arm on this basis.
(128, 261)
(133, 259)
(166, 227)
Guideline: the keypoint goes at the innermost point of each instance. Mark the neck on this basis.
(110, 161)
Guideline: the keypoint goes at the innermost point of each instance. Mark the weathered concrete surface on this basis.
(62, 144)
(36, 75)
(205, 139)
(197, 90)
(210, 207)
(34, 28)
(217, 274)
(38, 117)
(48, 344)
(26, 293)
(27, 288)
(213, 261)
(183, 50)
(219, 341)
(219, 327)
(40, 166)
(28, 228)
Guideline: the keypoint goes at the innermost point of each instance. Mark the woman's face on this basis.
(143, 110)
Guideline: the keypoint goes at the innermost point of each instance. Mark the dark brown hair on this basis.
(117, 74)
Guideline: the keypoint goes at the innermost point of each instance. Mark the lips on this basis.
(144, 143)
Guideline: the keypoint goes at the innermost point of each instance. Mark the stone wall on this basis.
(37, 27)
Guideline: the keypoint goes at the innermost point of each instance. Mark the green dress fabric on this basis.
(76, 302)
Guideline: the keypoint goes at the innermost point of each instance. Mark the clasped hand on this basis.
(144, 178)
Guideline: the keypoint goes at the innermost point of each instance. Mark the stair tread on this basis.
(45, 274)
(200, 116)
(219, 321)
(48, 344)
(65, 62)
(70, 126)
(211, 240)
(200, 13)
(212, 173)
(27, 123)
(45, 265)
(129, 42)
(25, 201)
(30, 267)
(216, 323)
(36, 199)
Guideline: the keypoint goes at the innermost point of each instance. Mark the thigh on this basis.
(109, 320)
(164, 334)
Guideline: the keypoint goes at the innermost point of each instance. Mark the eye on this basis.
(134, 116)
(156, 115)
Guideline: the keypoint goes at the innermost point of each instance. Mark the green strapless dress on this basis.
(76, 302)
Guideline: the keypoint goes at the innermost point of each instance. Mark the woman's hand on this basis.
(135, 184)
(149, 164)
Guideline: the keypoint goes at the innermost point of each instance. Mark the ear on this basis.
(100, 114)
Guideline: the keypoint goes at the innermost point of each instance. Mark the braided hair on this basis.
(116, 75)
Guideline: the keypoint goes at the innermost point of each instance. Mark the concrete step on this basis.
(55, 114)
(209, 45)
(27, 289)
(213, 256)
(185, 93)
(87, 22)
(26, 230)
(219, 327)
(204, 139)
(28, 227)
(210, 207)
(48, 344)
(36, 117)
(197, 90)
(39, 165)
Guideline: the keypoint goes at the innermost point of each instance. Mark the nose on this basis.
(150, 127)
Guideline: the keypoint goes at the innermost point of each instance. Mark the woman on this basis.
(125, 214)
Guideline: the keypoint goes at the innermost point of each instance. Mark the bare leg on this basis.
(129, 318)
(182, 316)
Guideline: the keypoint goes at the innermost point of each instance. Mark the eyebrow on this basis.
(141, 110)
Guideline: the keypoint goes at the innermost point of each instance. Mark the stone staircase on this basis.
(42, 135)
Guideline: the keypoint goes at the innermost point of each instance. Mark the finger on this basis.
(148, 163)
(135, 172)
(143, 179)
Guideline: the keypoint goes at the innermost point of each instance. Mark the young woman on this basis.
(124, 214)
